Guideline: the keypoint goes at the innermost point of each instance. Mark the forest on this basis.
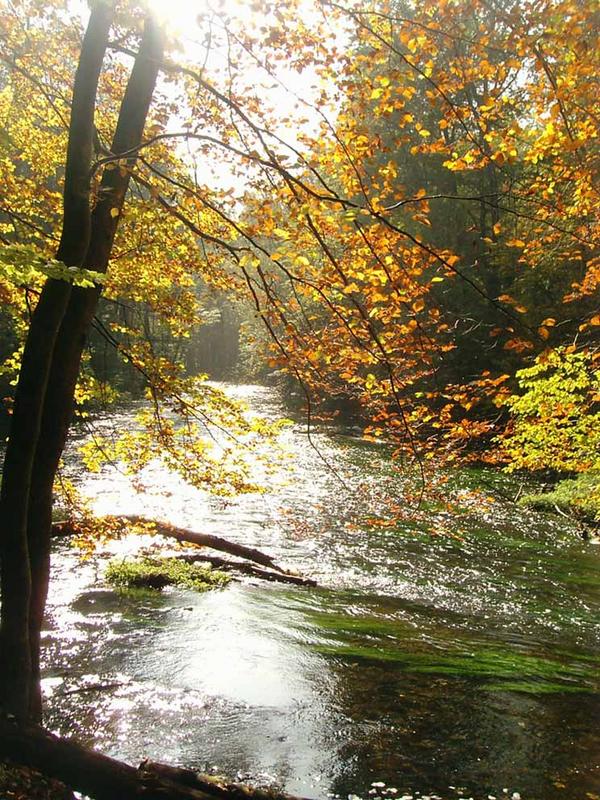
(299, 399)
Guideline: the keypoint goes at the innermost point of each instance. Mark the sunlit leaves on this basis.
(430, 210)
(556, 422)
(197, 431)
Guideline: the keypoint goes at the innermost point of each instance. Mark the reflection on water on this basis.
(431, 665)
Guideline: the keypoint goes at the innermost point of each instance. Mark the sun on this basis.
(179, 16)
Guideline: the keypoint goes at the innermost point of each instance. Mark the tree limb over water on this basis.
(105, 778)
(273, 572)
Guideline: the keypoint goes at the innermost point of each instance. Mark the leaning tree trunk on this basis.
(105, 778)
(58, 405)
(15, 577)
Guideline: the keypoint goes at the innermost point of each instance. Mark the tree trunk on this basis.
(105, 778)
(15, 576)
(58, 405)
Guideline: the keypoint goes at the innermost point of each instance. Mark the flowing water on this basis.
(423, 665)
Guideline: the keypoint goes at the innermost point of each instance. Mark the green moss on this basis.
(579, 497)
(496, 667)
(498, 670)
(156, 573)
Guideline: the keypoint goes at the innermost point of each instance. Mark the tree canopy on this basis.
(426, 231)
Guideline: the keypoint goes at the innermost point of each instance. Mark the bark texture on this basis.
(50, 365)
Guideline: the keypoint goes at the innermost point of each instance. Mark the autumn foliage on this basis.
(415, 224)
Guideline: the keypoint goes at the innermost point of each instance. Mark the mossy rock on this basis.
(156, 573)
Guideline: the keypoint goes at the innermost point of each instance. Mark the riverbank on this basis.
(577, 498)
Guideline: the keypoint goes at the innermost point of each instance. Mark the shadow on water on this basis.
(422, 665)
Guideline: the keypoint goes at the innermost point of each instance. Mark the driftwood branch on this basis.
(248, 569)
(205, 540)
(105, 778)
(272, 573)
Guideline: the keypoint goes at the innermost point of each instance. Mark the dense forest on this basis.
(386, 213)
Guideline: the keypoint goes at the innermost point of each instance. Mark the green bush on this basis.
(556, 420)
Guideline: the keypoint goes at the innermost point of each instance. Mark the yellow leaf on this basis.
(595, 320)
(114, 212)
(497, 228)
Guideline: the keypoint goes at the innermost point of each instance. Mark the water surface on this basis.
(456, 666)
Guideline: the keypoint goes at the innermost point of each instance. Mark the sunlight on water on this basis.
(421, 662)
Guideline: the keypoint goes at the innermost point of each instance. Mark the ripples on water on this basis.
(431, 665)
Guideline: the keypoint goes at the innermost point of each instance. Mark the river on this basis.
(422, 665)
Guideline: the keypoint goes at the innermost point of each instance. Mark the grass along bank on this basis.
(577, 497)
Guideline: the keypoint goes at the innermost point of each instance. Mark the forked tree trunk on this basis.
(58, 405)
(15, 578)
(44, 399)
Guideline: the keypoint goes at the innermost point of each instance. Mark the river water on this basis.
(422, 665)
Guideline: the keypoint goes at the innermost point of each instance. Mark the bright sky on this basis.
(291, 94)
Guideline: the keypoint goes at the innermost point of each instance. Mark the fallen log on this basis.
(67, 528)
(105, 778)
(249, 569)
(216, 787)
(205, 540)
